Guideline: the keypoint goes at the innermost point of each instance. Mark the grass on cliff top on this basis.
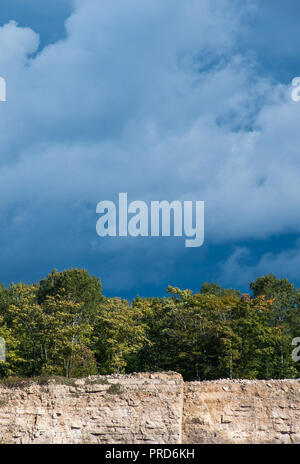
(98, 381)
(21, 382)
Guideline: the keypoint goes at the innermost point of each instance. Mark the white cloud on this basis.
(150, 99)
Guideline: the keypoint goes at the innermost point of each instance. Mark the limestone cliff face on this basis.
(242, 411)
(141, 408)
(151, 408)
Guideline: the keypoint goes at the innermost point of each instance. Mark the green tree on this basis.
(74, 285)
(51, 335)
(215, 289)
(13, 360)
(119, 333)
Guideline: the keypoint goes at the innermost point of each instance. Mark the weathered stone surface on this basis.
(147, 409)
(242, 411)
(152, 408)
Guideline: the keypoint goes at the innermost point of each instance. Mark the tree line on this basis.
(64, 325)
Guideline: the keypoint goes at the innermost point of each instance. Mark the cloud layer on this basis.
(152, 99)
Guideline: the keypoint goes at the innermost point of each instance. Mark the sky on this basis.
(173, 100)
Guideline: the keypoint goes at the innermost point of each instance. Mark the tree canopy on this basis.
(65, 326)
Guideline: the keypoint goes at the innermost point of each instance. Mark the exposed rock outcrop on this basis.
(141, 408)
(242, 411)
(151, 408)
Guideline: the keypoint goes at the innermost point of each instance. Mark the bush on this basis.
(15, 382)
(98, 381)
(115, 389)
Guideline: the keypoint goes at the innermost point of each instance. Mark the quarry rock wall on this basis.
(150, 408)
(242, 411)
